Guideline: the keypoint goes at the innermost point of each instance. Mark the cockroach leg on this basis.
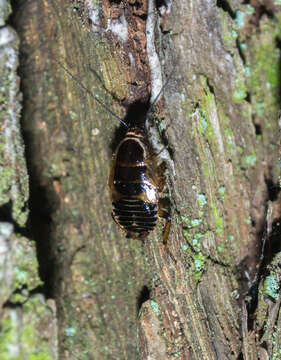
(165, 215)
(159, 178)
(156, 155)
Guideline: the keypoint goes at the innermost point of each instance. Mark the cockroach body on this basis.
(136, 180)
(135, 184)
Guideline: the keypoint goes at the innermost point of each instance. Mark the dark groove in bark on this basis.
(144, 296)
(42, 201)
(226, 7)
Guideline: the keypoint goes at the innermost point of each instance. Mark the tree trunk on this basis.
(215, 293)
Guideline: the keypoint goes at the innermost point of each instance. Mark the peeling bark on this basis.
(215, 295)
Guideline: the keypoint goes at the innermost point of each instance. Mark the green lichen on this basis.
(240, 91)
(221, 192)
(234, 34)
(21, 270)
(185, 247)
(25, 334)
(154, 307)
(211, 156)
(71, 331)
(243, 46)
(218, 219)
(248, 221)
(229, 139)
(197, 258)
(204, 127)
(240, 150)
(221, 247)
(185, 219)
(26, 269)
(231, 238)
(240, 19)
(229, 30)
(13, 174)
(193, 239)
(5, 11)
(162, 125)
(276, 354)
(196, 241)
(271, 286)
(201, 198)
(190, 223)
(260, 108)
(249, 160)
(247, 71)
(250, 10)
(264, 76)
(195, 222)
(199, 265)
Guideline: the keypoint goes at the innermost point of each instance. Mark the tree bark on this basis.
(215, 293)
(27, 319)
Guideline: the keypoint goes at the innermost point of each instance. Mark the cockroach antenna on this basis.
(91, 94)
(159, 94)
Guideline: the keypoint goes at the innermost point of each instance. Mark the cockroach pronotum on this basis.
(136, 179)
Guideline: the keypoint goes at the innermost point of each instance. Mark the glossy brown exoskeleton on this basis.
(136, 181)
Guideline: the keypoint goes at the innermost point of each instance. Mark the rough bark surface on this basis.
(212, 296)
(27, 320)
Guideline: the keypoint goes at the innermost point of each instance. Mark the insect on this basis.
(135, 183)
(136, 179)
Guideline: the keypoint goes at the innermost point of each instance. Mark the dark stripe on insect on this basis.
(137, 205)
(130, 164)
(127, 202)
(136, 211)
(132, 188)
(141, 206)
(137, 219)
(139, 229)
(127, 174)
(135, 215)
(138, 225)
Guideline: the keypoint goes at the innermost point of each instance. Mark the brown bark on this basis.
(124, 299)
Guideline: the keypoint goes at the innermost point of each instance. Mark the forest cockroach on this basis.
(135, 183)
(136, 179)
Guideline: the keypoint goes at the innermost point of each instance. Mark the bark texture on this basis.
(212, 296)
(27, 320)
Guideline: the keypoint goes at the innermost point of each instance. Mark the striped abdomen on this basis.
(136, 216)
(134, 196)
